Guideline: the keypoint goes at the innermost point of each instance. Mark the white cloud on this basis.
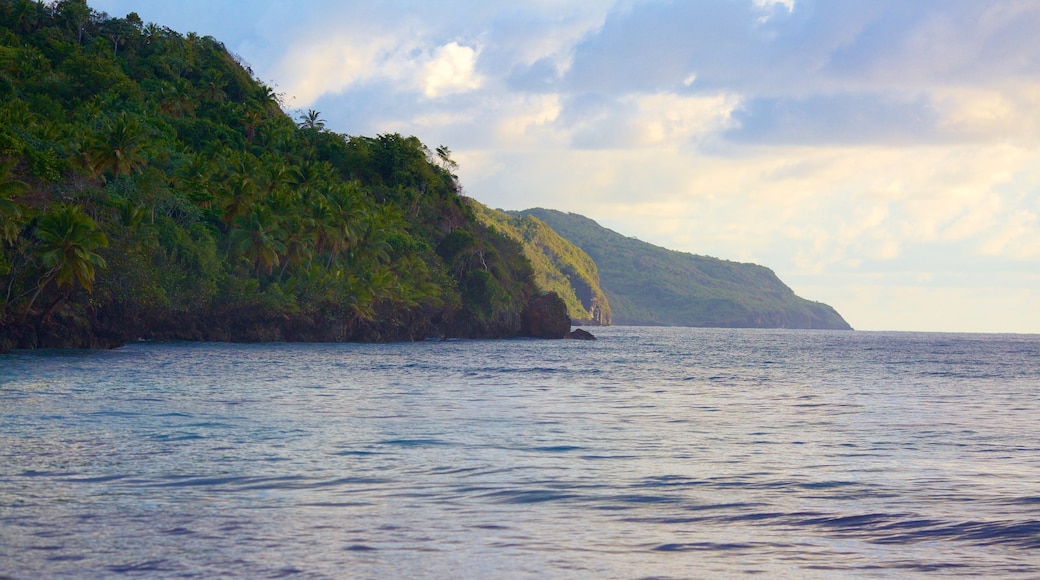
(327, 66)
(450, 71)
(530, 120)
(312, 69)
(667, 118)
(768, 4)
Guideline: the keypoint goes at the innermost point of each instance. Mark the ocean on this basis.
(649, 453)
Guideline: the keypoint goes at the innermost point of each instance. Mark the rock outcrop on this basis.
(546, 317)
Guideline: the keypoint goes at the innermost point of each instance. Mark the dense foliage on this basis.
(559, 266)
(150, 187)
(649, 285)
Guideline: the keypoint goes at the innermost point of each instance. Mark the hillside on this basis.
(559, 266)
(151, 187)
(650, 285)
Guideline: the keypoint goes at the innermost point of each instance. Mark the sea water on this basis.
(651, 452)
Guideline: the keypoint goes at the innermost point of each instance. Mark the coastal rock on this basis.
(580, 334)
(546, 317)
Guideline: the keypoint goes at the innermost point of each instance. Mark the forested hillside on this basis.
(150, 187)
(559, 266)
(650, 285)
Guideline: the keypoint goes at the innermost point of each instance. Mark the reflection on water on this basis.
(648, 453)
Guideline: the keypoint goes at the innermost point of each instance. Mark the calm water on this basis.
(649, 453)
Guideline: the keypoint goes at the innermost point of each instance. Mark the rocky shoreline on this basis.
(545, 317)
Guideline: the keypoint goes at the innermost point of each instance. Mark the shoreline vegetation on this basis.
(152, 188)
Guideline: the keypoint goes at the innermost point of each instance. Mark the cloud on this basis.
(334, 65)
(438, 49)
(450, 70)
(769, 4)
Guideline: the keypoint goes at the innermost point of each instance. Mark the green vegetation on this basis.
(150, 187)
(559, 265)
(649, 285)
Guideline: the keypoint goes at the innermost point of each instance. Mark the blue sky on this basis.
(882, 156)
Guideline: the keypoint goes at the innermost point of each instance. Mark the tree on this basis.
(267, 99)
(177, 98)
(68, 240)
(341, 226)
(119, 149)
(75, 15)
(240, 193)
(212, 87)
(11, 212)
(447, 163)
(119, 30)
(29, 15)
(299, 241)
(311, 120)
(260, 239)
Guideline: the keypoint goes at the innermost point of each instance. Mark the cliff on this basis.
(559, 266)
(650, 285)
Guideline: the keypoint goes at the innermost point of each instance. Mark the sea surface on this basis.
(651, 452)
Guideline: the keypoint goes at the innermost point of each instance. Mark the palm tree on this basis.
(299, 242)
(119, 149)
(345, 218)
(267, 99)
(239, 196)
(311, 120)
(311, 174)
(276, 173)
(153, 34)
(194, 178)
(253, 120)
(212, 91)
(68, 240)
(11, 212)
(29, 16)
(177, 98)
(30, 62)
(260, 239)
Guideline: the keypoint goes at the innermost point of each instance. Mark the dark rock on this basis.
(579, 334)
(546, 317)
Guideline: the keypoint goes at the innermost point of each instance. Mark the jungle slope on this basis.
(151, 187)
(559, 266)
(650, 285)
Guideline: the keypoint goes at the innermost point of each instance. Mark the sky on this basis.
(881, 156)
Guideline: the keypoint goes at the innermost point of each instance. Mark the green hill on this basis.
(559, 266)
(151, 187)
(650, 285)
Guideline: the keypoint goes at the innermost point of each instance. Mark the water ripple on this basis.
(667, 453)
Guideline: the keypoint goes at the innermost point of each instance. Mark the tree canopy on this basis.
(150, 187)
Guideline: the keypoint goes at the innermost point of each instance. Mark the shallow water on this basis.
(652, 452)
